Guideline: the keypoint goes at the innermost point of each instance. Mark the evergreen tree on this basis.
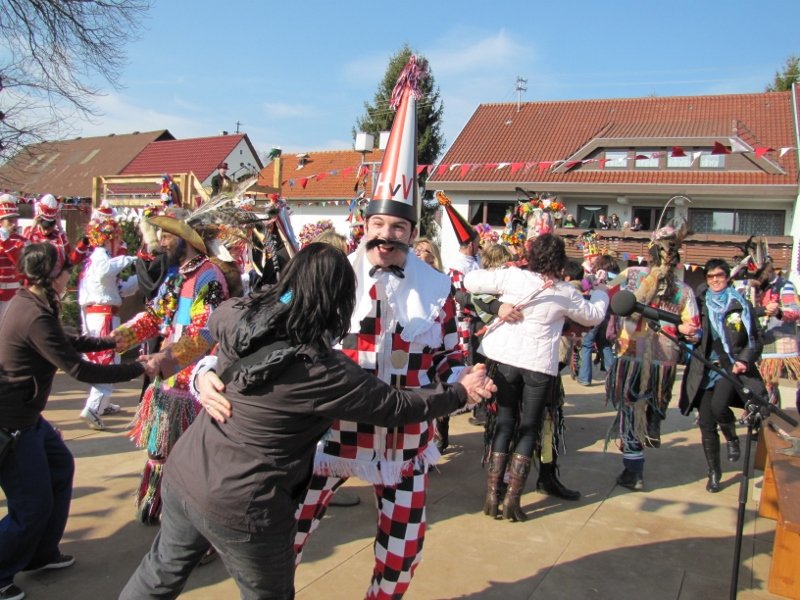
(379, 116)
(791, 74)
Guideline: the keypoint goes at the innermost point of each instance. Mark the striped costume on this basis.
(10, 251)
(404, 332)
(780, 357)
(639, 384)
(179, 313)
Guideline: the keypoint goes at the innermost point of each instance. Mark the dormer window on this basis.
(712, 161)
(646, 159)
(616, 159)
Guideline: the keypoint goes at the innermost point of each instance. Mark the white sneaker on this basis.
(111, 409)
(91, 418)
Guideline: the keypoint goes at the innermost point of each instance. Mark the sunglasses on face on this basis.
(718, 275)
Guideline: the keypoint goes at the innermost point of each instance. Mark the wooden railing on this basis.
(697, 248)
(141, 190)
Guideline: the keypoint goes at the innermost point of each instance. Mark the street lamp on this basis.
(677, 201)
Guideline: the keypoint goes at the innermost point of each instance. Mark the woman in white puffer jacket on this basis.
(526, 356)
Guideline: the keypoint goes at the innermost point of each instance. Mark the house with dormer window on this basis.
(728, 164)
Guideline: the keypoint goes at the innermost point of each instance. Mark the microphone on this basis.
(624, 304)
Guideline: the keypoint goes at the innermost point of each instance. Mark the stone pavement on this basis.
(672, 541)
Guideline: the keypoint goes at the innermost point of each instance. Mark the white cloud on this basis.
(285, 110)
(118, 115)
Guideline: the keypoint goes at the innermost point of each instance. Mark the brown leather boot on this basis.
(494, 478)
(518, 475)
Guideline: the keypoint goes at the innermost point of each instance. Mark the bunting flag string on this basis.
(542, 166)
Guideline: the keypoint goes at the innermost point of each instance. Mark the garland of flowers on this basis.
(166, 303)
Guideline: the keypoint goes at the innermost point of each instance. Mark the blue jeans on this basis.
(585, 368)
(261, 563)
(36, 478)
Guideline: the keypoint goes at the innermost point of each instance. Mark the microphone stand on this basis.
(758, 409)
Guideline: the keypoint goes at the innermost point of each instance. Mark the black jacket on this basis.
(33, 345)
(693, 377)
(250, 472)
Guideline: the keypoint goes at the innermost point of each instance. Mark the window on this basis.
(648, 162)
(588, 216)
(495, 213)
(616, 160)
(678, 162)
(649, 215)
(739, 222)
(712, 161)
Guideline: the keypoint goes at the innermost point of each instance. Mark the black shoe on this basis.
(11, 592)
(632, 481)
(62, 561)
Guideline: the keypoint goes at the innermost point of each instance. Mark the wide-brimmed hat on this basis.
(182, 229)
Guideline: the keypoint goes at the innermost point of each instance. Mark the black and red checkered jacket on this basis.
(378, 454)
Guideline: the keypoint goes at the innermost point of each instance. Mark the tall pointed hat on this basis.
(396, 191)
(465, 233)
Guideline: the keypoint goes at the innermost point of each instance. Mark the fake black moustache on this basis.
(395, 244)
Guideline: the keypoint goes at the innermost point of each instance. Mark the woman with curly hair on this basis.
(525, 354)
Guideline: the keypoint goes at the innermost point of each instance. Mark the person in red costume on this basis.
(11, 245)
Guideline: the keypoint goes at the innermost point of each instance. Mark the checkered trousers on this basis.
(402, 364)
(400, 532)
(465, 313)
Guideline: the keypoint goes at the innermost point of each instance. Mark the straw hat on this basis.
(182, 229)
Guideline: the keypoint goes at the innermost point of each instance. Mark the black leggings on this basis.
(715, 407)
(522, 397)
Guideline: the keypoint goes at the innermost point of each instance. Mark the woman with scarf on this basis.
(731, 339)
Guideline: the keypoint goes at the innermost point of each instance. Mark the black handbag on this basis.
(8, 439)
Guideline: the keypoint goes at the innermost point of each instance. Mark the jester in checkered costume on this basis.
(192, 288)
(403, 331)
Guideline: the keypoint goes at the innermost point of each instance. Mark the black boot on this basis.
(494, 479)
(442, 433)
(518, 475)
(729, 431)
(549, 484)
(711, 449)
(633, 480)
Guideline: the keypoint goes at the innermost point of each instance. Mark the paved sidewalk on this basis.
(672, 541)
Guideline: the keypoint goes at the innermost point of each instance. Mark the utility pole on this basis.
(520, 88)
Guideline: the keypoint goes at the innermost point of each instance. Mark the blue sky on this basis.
(296, 74)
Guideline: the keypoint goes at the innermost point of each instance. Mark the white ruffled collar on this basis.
(416, 299)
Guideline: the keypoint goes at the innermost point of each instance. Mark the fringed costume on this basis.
(639, 384)
(178, 313)
(780, 357)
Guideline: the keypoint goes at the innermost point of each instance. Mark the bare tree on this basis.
(50, 51)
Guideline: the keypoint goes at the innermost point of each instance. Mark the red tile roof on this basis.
(330, 174)
(197, 155)
(580, 129)
(66, 168)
